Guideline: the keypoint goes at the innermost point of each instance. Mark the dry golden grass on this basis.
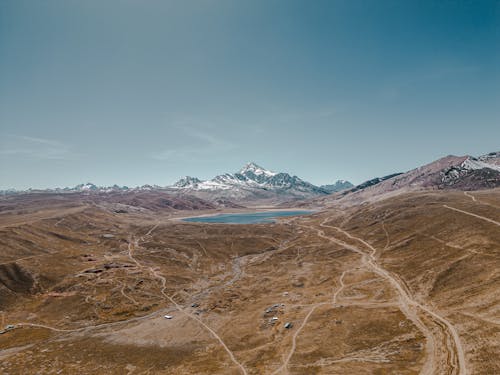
(379, 288)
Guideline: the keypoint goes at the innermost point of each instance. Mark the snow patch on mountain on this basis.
(256, 170)
(252, 181)
(187, 181)
(454, 173)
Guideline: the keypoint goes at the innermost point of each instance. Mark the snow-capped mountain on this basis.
(252, 170)
(489, 163)
(90, 187)
(254, 184)
(251, 182)
(493, 158)
(472, 173)
(84, 187)
(187, 182)
(450, 172)
(87, 188)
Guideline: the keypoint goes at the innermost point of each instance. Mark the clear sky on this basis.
(135, 92)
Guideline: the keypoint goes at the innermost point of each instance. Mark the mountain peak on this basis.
(255, 169)
(87, 186)
(187, 181)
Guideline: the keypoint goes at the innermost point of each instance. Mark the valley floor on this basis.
(408, 285)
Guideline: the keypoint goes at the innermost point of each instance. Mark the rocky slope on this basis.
(255, 183)
(450, 172)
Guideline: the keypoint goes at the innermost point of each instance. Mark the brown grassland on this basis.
(406, 285)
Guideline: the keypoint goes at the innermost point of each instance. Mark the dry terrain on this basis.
(405, 285)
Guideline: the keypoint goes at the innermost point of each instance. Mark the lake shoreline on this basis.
(260, 217)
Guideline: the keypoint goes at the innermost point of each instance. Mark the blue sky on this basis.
(135, 92)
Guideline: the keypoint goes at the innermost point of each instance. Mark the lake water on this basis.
(246, 218)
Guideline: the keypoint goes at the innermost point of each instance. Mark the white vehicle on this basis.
(168, 316)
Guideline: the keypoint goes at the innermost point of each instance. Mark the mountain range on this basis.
(254, 185)
(464, 173)
(254, 182)
(251, 183)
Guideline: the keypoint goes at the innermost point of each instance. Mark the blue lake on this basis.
(246, 218)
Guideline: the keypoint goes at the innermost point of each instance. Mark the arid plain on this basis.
(405, 285)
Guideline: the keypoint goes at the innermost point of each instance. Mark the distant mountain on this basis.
(450, 172)
(252, 183)
(337, 186)
(473, 173)
(187, 182)
(88, 187)
(373, 181)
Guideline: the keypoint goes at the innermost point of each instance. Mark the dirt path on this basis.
(404, 302)
(34, 325)
(407, 305)
(132, 245)
(131, 299)
(151, 230)
(466, 193)
(373, 250)
(284, 366)
(388, 238)
(163, 282)
(476, 200)
(471, 214)
(94, 327)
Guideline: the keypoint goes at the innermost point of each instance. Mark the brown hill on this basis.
(451, 172)
(405, 285)
(115, 201)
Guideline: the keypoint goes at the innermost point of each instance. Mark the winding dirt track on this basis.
(407, 305)
(132, 245)
(466, 193)
(163, 282)
(304, 322)
(471, 214)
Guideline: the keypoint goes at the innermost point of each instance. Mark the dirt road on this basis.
(472, 214)
(409, 306)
